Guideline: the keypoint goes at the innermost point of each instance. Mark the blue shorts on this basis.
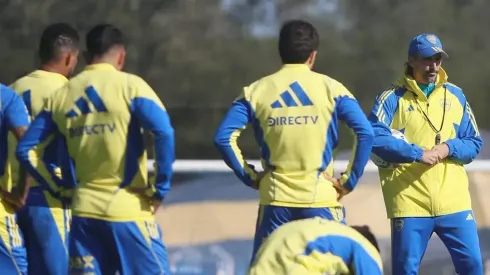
(102, 247)
(45, 223)
(271, 217)
(457, 231)
(13, 258)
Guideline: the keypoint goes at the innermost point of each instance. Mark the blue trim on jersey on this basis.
(350, 112)
(385, 145)
(237, 118)
(155, 119)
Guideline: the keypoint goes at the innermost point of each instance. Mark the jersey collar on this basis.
(100, 66)
(296, 66)
(43, 73)
(409, 83)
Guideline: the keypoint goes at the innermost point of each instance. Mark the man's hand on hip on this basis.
(260, 176)
(341, 191)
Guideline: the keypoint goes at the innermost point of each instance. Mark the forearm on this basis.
(464, 150)
(360, 156)
(24, 183)
(233, 158)
(164, 158)
(30, 163)
(392, 149)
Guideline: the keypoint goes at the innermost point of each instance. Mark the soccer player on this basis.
(100, 114)
(318, 246)
(45, 219)
(295, 114)
(14, 118)
(428, 193)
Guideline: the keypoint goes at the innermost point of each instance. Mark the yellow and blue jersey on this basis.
(35, 88)
(316, 246)
(45, 220)
(415, 189)
(13, 114)
(100, 115)
(295, 115)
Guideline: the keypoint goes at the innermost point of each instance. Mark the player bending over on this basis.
(318, 246)
(100, 114)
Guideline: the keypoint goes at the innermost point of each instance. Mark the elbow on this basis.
(366, 136)
(168, 133)
(220, 140)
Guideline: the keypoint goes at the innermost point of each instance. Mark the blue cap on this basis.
(426, 45)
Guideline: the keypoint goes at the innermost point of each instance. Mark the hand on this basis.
(156, 204)
(12, 200)
(442, 150)
(260, 176)
(341, 191)
(143, 191)
(430, 157)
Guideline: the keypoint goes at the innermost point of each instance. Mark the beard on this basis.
(431, 75)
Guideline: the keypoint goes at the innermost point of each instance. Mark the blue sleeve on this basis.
(468, 143)
(14, 109)
(360, 259)
(385, 145)
(155, 119)
(352, 115)
(364, 262)
(225, 139)
(42, 128)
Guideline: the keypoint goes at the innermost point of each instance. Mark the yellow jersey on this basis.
(414, 189)
(100, 115)
(35, 88)
(316, 246)
(295, 114)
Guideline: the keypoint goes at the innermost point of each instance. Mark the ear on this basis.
(121, 58)
(311, 59)
(411, 61)
(67, 58)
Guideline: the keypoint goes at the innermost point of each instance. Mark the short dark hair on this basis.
(56, 38)
(297, 40)
(366, 233)
(102, 38)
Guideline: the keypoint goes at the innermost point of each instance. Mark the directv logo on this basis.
(291, 120)
(289, 101)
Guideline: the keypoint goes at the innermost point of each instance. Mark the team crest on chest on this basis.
(446, 104)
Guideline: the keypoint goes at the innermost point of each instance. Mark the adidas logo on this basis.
(83, 104)
(409, 109)
(469, 217)
(288, 100)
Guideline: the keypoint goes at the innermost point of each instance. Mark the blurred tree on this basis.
(198, 55)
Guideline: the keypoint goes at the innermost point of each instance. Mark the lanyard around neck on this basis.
(432, 126)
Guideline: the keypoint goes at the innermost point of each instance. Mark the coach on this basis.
(428, 193)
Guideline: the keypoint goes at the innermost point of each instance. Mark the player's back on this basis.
(316, 246)
(105, 142)
(34, 88)
(297, 129)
